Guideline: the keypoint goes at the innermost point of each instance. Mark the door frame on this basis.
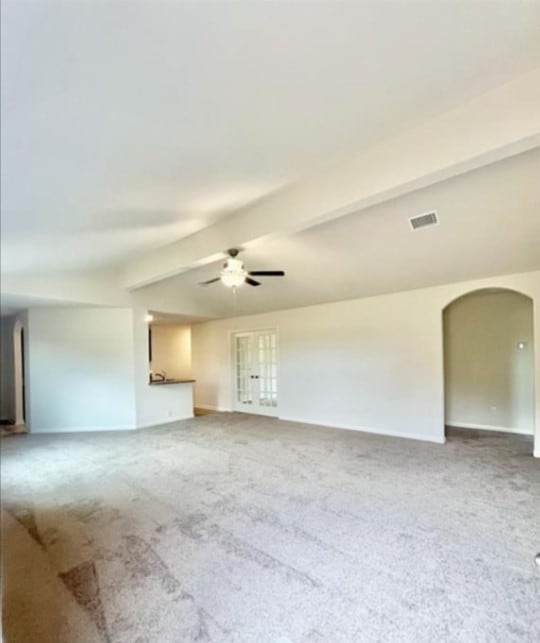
(272, 411)
(19, 374)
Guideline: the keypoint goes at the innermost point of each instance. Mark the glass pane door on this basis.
(255, 356)
(267, 368)
(244, 364)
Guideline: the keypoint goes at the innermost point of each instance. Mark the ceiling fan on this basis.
(234, 273)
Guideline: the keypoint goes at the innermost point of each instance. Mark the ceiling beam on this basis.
(500, 123)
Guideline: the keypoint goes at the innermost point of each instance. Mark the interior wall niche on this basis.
(489, 361)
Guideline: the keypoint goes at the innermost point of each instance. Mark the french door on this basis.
(255, 372)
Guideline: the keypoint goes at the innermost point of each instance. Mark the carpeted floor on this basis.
(232, 527)
(7, 430)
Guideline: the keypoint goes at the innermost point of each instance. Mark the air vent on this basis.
(423, 220)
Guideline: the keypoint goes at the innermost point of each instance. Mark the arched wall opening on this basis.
(489, 361)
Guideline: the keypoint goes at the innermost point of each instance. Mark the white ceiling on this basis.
(126, 125)
(489, 225)
(11, 304)
(173, 319)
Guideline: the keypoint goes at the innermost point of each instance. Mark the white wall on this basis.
(489, 382)
(171, 350)
(373, 363)
(7, 390)
(80, 369)
(343, 364)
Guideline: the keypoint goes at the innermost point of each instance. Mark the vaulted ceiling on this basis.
(128, 125)
(489, 225)
(141, 139)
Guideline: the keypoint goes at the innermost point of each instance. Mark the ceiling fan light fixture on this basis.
(232, 279)
(233, 273)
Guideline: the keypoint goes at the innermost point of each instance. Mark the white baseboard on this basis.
(81, 429)
(165, 421)
(488, 427)
(209, 407)
(368, 429)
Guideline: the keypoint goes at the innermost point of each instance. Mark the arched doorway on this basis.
(489, 362)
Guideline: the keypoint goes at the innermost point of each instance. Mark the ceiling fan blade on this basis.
(252, 282)
(210, 281)
(267, 273)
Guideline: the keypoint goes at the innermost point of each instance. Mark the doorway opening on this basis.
(19, 376)
(255, 382)
(17, 413)
(489, 362)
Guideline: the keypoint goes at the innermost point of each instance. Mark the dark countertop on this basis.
(172, 381)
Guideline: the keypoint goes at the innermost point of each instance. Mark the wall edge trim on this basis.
(165, 421)
(81, 429)
(367, 429)
(488, 427)
(210, 407)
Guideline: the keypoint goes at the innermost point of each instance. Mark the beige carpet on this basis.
(231, 527)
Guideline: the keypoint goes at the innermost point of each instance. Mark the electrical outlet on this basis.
(170, 413)
(493, 409)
